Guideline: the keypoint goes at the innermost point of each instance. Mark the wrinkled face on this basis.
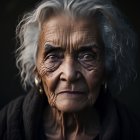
(70, 62)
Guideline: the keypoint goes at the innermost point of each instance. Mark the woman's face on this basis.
(70, 62)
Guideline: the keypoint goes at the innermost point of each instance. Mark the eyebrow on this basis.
(88, 47)
(85, 47)
(49, 48)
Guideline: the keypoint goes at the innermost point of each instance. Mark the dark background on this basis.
(11, 12)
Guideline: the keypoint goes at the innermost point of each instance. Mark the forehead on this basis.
(65, 31)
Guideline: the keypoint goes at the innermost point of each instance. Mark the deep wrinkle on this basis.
(66, 40)
(70, 126)
(70, 40)
(47, 67)
(69, 36)
(70, 64)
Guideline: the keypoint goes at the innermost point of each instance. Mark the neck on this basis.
(85, 121)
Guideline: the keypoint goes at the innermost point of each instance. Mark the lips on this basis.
(71, 92)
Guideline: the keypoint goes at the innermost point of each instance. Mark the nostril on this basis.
(79, 75)
(63, 79)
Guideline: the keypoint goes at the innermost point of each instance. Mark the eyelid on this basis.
(89, 53)
(51, 55)
(54, 54)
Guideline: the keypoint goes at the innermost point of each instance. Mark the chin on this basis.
(70, 106)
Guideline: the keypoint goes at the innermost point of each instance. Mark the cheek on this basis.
(49, 88)
(95, 79)
(49, 74)
(46, 68)
(49, 83)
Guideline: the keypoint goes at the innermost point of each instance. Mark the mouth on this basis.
(72, 92)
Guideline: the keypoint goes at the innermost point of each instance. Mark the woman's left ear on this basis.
(104, 83)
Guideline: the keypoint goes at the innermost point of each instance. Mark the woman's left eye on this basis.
(87, 56)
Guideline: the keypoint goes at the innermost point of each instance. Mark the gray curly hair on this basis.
(118, 37)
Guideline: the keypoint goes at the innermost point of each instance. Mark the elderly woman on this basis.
(73, 55)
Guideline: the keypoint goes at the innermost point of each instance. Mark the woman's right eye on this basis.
(53, 57)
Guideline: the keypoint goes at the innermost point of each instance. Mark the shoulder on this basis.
(19, 116)
(11, 112)
(124, 111)
(14, 105)
(128, 120)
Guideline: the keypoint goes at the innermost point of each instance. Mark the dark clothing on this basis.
(22, 119)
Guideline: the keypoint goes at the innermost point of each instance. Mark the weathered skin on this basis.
(70, 65)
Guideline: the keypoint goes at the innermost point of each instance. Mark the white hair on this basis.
(118, 38)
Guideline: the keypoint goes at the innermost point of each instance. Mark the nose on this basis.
(70, 71)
